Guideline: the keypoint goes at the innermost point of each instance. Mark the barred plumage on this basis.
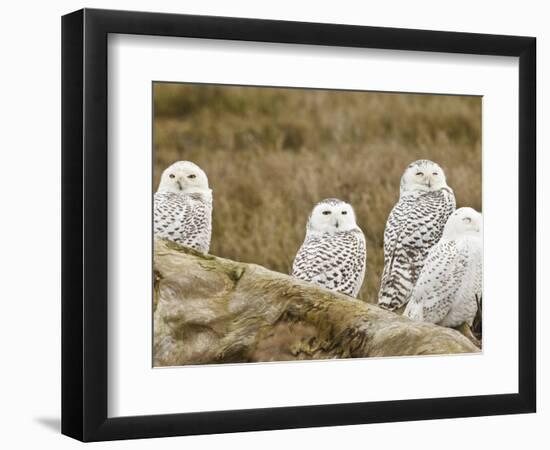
(414, 225)
(183, 206)
(334, 251)
(450, 284)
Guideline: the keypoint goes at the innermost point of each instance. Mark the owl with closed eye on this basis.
(414, 226)
(449, 287)
(334, 253)
(183, 206)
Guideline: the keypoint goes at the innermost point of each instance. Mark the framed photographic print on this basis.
(273, 224)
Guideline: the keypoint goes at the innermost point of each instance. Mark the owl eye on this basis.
(192, 176)
(467, 220)
(435, 173)
(326, 213)
(344, 213)
(172, 175)
(419, 174)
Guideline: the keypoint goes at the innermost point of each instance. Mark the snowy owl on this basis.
(334, 251)
(183, 206)
(414, 225)
(449, 287)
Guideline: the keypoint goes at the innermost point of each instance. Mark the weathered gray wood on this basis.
(213, 310)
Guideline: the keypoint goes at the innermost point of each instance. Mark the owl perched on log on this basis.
(334, 251)
(183, 206)
(414, 226)
(449, 287)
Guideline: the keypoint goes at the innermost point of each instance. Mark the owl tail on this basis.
(395, 289)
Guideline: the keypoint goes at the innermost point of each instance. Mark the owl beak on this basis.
(179, 185)
(336, 223)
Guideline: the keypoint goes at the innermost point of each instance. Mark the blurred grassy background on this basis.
(270, 154)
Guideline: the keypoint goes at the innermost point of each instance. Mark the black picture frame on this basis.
(84, 224)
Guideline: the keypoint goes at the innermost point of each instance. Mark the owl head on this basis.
(331, 216)
(183, 177)
(423, 175)
(463, 222)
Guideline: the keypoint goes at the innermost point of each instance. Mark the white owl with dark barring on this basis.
(334, 251)
(414, 226)
(183, 206)
(449, 287)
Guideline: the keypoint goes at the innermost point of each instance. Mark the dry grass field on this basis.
(270, 154)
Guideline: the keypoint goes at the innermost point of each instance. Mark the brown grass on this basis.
(270, 154)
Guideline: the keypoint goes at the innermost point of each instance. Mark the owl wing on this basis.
(170, 213)
(334, 262)
(180, 218)
(359, 262)
(420, 225)
(437, 285)
(352, 250)
(317, 261)
(467, 275)
(415, 224)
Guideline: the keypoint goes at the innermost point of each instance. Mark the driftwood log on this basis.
(214, 310)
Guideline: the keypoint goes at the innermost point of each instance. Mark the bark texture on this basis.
(214, 310)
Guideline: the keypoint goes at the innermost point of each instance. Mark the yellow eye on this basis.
(344, 213)
(419, 174)
(435, 173)
(172, 175)
(192, 176)
(326, 213)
